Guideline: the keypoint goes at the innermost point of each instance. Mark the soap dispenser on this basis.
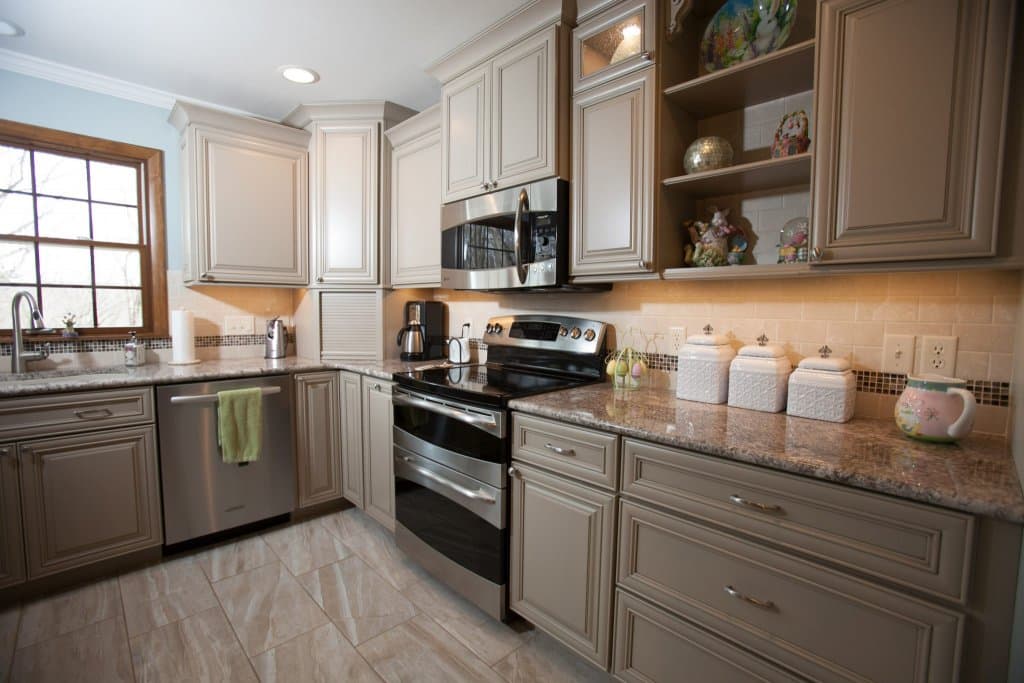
(134, 351)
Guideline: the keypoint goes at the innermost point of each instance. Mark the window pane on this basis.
(115, 223)
(15, 169)
(6, 297)
(60, 175)
(119, 307)
(17, 262)
(118, 267)
(16, 217)
(64, 265)
(60, 301)
(65, 218)
(113, 183)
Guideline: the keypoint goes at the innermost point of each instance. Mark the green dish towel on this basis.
(240, 424)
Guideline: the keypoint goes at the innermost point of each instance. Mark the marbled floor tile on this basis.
(8, 638)
(361, 603)
(305, 547)
(234, 558)
(199, 648)
(320, 656)
(419, 650)
(380, 552)
(164, 593)
(488, 638)
(544, 659)
(69, 611)
(97, 652)
(349, 523)
(267, 607)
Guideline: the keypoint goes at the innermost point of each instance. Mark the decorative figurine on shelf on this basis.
(717, 243)
(677, 12)
(707, 154)
(744, 29)
(69, 320)
(791, 135)
(793, 241)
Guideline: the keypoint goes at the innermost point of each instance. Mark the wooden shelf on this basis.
(755, 271)
(742, 178)
(784, 72)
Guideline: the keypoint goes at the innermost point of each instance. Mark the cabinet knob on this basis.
(816, 254)
(320, 278)
(485, 186)
(494, 184)
(644, 265)
(513, 471)
(376, 387)
(206, 276)
(645, 56)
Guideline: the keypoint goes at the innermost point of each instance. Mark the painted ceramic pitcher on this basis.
(935, 408)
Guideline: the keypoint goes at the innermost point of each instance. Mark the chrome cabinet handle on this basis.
(93, 414)
(569, 452)
(461, 490)
(763, 507)
(763, 604)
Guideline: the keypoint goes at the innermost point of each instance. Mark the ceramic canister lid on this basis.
(762, 349)
(708, 338)
(824, 362)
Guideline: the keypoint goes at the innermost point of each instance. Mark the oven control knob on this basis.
(575, 334)
(489, 328)
(589, 335)
(497, 328)
(563, 331)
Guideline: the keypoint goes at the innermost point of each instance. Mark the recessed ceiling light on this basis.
(299, 74)
(9, 30)
(630, 31)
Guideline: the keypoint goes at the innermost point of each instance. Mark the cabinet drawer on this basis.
(653, 646)
(575, 451)
(62, 413)
(916, 545)
(819, 622)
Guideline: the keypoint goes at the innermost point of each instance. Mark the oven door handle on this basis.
(448, 483)
(522, 206)
(487, 423)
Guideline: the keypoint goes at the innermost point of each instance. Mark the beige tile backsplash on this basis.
(211, 305)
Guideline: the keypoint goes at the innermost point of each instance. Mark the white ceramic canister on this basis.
(703, 373)
(759, 377)
(823, 388)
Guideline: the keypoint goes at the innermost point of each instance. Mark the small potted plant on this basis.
(69, 320)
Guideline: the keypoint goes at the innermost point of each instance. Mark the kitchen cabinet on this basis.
(619, 39)
(465, 134)
(352, 438)
(318, 418)
(378, 451)
(416, 200)
(244, 199)
(914, 90)
(12, 547)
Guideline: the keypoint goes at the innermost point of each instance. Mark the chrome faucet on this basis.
(19, 356)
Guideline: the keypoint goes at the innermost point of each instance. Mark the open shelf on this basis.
(784, 72)
(755, 271)
(742, 178)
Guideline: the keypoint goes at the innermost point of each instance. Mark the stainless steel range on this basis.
(452, 447)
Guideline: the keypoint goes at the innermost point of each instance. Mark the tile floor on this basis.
(327, 599)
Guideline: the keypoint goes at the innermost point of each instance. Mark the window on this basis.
(82, 229)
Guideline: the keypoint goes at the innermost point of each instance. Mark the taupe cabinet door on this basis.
(416, 204)
(613, 177)
(352, 438)
(910, 114)
(562, 548)
(12, 547)
(318, 416)
(378, 421)
(465, 134)
(89, 497)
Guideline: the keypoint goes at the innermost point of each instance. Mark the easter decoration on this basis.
(793, 241)
(715, 243)
(69, 321)
(791, 136)
(629, 367)
(707, 154)
(744, 29)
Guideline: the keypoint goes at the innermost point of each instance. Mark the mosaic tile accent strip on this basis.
(61, 345)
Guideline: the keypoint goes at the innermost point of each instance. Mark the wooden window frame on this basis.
(150, 163)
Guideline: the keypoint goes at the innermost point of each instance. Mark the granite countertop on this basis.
(384, 369)
(976, 475)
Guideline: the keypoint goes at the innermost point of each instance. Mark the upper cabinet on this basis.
(244, 199)
(910, 121)
(416, 200)
(466, 134)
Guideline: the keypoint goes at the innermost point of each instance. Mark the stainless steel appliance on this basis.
(452, 447)
(201, 493)
(277, 339)
(423, 336)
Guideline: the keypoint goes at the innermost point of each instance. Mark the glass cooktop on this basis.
(492, 385)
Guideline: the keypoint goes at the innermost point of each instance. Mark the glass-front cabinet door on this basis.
(612, 43)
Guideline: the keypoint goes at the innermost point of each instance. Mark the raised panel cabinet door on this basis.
(524, 111)
(352, 438)
(613, 177)
(378, 421)
(252, 210)
(89, 497)
(416, 212)
(910, 116)
(344, 201)
(562, 548)
(12, 547)
(318, 415)
(465, 134)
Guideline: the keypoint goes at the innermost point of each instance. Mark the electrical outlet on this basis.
(938, 355)
(898, 353)
(676, 338)
(238, 324)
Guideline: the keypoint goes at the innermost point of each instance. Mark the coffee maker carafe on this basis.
(422, 337)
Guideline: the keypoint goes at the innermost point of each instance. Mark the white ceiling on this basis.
(228, 51)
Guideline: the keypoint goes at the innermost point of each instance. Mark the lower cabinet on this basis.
(352, 438)
(12, 546)
(378, 458)
(89, 497)
(318, 436)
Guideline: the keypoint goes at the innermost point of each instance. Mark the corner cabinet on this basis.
(914, 90)
(244, 199)
(12, 547)
(352, 438)
(378, 451)
(318, 416)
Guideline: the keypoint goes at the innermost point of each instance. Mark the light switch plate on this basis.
(898, 353)
(239, 324)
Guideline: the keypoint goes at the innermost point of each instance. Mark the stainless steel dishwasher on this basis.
(201, 493)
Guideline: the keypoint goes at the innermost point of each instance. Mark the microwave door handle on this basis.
(522, 206)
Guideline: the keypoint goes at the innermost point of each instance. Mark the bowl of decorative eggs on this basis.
(627, 368)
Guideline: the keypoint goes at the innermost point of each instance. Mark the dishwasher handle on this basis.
(212, 398)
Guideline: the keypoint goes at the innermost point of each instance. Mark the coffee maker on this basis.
(423, 336)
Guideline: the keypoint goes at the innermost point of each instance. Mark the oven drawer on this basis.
(820, 622)
(574, 451)
(79, 412)
(919, 546)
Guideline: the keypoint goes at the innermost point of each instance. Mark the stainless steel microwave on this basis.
(516, 238)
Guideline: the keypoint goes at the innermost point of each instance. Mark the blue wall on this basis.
(44, 103)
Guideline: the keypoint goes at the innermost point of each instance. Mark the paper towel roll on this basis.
(183, 340)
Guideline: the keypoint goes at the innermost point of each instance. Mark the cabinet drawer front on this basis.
(59, 414)
(814, 620)
(915, 545)
(653, 646)
(581, 453)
